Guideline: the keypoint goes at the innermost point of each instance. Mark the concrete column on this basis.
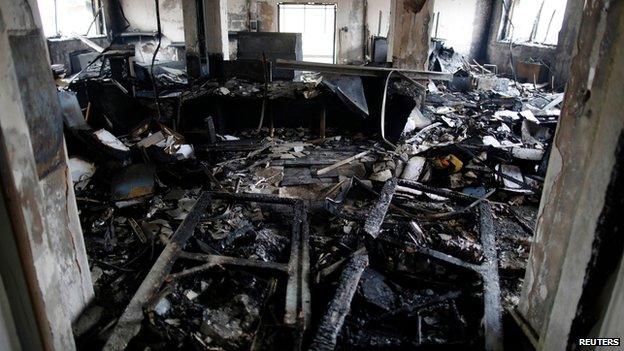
(578, 245)
(194, 39)
(216, 28)
(36, 177)
(205, 34)
(409, 37)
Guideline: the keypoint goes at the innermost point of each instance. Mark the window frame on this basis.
(506, 24)
(334, 53)
(97, 8)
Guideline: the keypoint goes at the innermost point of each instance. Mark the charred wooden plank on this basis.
(373, 223)
(337, 310)
(297, 300)
(491, 282)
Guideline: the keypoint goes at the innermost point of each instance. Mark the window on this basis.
(316, 23)
(533, 21)
(66, 17)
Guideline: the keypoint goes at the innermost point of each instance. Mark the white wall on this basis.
(463, 24)
(372, 17)
(456, 23)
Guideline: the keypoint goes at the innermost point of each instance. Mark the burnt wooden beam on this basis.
(129, 324)
(338, 309)
(297, 288)
(373, 223)
(492, 318)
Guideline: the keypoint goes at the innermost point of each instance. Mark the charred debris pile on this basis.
(214, 231)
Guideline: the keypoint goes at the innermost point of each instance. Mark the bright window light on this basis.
(66, 17)
(316, 23)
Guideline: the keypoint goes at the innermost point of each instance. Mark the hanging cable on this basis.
(383, 111)
(154, 85)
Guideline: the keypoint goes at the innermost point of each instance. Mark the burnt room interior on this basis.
(299, 175)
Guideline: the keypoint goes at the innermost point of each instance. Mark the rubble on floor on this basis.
(275, 236)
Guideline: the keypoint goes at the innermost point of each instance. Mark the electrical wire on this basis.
(154, 84)
(383, 111)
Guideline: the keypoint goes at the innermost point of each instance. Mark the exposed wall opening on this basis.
(533, 21)
(316, 23)
(66, 17)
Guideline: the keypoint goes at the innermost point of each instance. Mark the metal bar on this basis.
(263, 198)
(89, 43)
(129, 324)
(235, 262)
(328, 169)
(373, 223)
(492, 317)
(423, 250)
(320, 275)
(463, 210)
(338, 309)
(448, 259)
(438, 191)
(230, 146)
(358, 70)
